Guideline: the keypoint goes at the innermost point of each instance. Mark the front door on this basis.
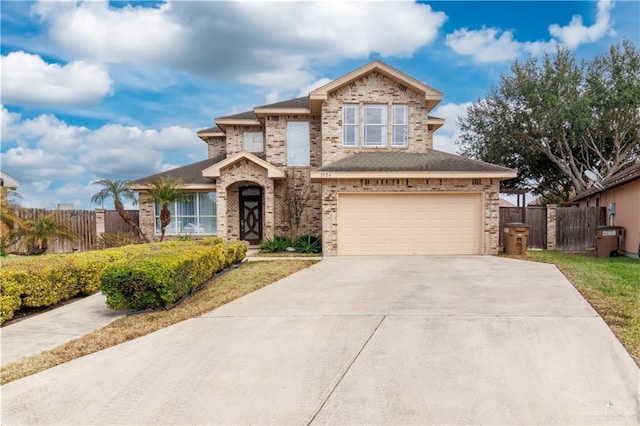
(251, 214)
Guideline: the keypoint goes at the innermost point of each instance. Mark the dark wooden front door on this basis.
(251, 214)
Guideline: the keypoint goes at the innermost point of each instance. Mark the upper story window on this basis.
(298, 147)
(400, 125)
(253, 142)
(375, 125)
(350, 124)
(380, 124)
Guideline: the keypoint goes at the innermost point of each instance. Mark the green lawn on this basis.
(610, 285)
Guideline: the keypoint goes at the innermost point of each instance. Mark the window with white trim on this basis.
(196, 214)
(253, 142)
(298, 143)
(375, 125)
(350, 125)
(400, 125)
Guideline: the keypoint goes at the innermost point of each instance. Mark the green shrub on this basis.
(12, 285)
(308, 244)
(157, 280)
(49, 279)
(275, 244)
(89, 265)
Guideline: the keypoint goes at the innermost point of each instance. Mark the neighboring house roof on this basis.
(8, 181)
(506, 203)
(431, 161)
(190, 174)
(625, 176)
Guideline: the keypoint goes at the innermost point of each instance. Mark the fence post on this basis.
(552, 215)
(100, 221)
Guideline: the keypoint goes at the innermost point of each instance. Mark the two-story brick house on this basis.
(360, 150)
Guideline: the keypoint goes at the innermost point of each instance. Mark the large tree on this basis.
(117, 189)
(554, 118)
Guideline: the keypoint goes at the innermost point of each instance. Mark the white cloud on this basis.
(39, 164)
(28, 79)
(127, 34)
(50, 156)
(268, 44)
(445, 137)
(491, 45)
(576, 33)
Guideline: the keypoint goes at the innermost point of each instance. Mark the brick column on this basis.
(552, 212)
(100, 222)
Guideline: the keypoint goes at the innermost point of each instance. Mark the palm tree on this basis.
(117, 189)
(165, 191)
(35, 233)
(9, 219)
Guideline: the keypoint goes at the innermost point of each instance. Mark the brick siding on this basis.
(330, 190)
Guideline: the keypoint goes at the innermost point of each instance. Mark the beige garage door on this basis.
(405, 224)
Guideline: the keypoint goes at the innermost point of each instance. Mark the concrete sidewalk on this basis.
(52, 328)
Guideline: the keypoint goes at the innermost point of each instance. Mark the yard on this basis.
(610, 285)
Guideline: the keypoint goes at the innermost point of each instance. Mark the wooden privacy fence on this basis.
(536, 217)
(82, 223)
(575, 227)
(113, 222)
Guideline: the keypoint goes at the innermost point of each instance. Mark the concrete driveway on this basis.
(393, 340)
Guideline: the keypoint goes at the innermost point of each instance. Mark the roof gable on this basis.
(431, 95)
(215, 170)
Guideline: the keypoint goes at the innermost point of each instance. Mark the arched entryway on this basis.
(250, 208)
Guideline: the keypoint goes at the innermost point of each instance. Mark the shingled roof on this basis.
(247, 115)
(302, 102)
(620, 178)
(393, 161)
(190, 174)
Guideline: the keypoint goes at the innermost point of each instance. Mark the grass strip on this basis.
(610, 285)
(248, 277)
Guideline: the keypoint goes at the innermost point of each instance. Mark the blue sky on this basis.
(117, 90)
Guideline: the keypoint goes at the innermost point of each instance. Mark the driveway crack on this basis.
(346, 370)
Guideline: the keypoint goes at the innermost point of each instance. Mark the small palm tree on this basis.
(9, 219)
(166, 191)
(35, 234)
(117, 189)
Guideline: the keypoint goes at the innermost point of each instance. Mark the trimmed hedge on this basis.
(47, 280)
(161, 278)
